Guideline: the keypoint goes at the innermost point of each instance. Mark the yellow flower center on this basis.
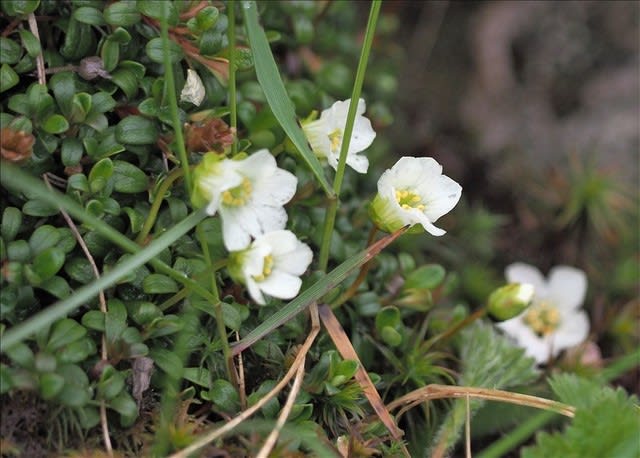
(267, 267)
(543, 318)
(335, 138)
(408, 200)
(238, 196)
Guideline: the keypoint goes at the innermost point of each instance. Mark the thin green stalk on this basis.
(155, 207)
(217, 306)
(330, 216)
(170, 91)
(525, 430)
(231, 34)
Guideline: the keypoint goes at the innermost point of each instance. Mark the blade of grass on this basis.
(314, 292)
(330, 215)
(276, 94)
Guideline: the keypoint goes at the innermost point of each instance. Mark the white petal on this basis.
(442, 196)
(281, 285)
(280, 241)
(234, 237)
(573, 330)
(358, 162)
(245, 216)
(276, 189)
(520, 272)
(524, 336)
(295, 262)
(362, 136)
(426, 223)
(317, 134)
(271, 218)
(567, 287)
(254, 292)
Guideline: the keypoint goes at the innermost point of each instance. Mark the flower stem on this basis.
(172, 101)
(233, 109)
(330, 216)
(155, 207)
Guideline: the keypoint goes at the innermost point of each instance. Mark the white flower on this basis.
(193, 90)
(325, 135)
(271, 265)
(249, 194)
(414, 191)
(554, 321)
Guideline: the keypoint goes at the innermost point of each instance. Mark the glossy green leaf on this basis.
(76, 391)
(30, 42)
(128, 178)
(20, 354)
(94, 319)
(47, 263)
(159, 11)
(19, 7)
(123, 13)
(10, 51)
(37, 207)
(80, 107)
(11, 222)
(50, 385)
(111, 383)
(56, 286)
(126, 407)
(45, 236)
(425, 277)
(110, 54)
(155, 51)
(159, 284)
(102, 102)
(100, 174)
(277, 97)
(136, 130)
(125, 80)
(64, 332)
(8, 77)
(224, 395)
(89, 15)
(71, 151)
(388, 316)
(18, 251)
(55, 124)
(168, 361)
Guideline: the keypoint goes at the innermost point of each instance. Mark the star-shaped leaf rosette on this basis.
(554, 320)
(414, 192)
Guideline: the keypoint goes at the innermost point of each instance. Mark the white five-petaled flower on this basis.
(193, 90)
(414, 191)
(554, 321)
(271, 265)
(249, 194)
(325, 135)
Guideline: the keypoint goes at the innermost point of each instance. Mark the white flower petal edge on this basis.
(414, 191)
(272, 265)
(554, 321)
(249, 194)
(325, 135)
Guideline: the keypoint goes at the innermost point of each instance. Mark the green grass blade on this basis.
(314, 292)
(274, 91)
(82, 295)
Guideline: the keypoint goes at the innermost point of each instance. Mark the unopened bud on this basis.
(510, 300)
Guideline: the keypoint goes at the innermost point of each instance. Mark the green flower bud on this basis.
(510, 300)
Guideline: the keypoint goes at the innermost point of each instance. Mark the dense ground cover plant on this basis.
(191, 189)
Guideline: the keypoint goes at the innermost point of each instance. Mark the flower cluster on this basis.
(554, 321)
(249, 194)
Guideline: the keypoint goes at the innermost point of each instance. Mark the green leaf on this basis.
(159, 11)
(126, 407)
(605, 423)
(77, 351)
(8, 78)
(224, 395)
(125, 80)
(155, 51)
(76, 391)
(48, 263)
(128, 178)
(100, 174)
(71, 151)
(19, 7)
(11, 222)
(110, 54)
(94, 319)
(55, 124)
(56, 286)
(277, 97)
(20, 354)
(102, 102)
(426, 277)
(136, 130)
(159, 284)
(388, 316)
(46, 236)
(80, 107)
(10, 51)
(168, 361)
(198, 375)
(123, 13)
(36, 207)
(80, 270)
(143, 312)
(64, 332)
(30, 42)
(89, 15)
(50, 385)
(111, 383)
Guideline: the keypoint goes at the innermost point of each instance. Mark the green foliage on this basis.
(605, 423)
